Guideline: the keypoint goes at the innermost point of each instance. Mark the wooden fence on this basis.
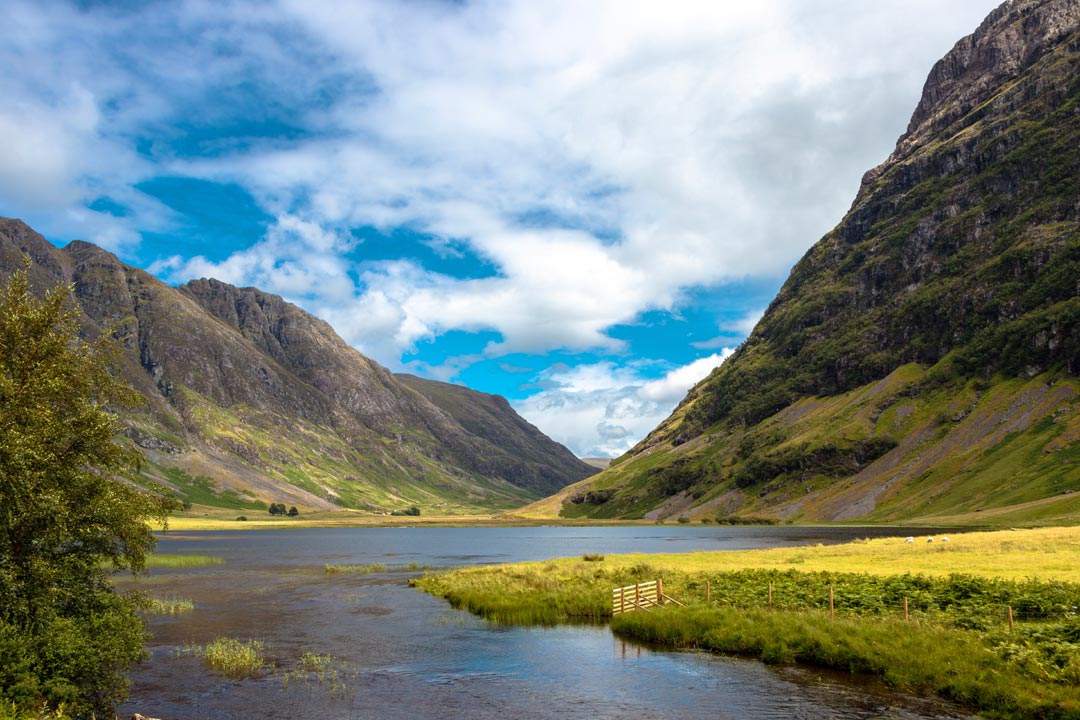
(642, 596)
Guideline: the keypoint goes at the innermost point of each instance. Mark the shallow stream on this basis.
(400, 653)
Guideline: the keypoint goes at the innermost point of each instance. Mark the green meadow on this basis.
(987, 620)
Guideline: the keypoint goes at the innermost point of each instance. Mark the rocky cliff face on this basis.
(250, 399)
(947, 299)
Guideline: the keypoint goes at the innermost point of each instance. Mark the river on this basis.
(400, 653)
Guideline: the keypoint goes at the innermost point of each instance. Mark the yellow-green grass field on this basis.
(212, 518)
(925, 617)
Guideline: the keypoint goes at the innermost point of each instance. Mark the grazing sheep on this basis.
(910, 539)
(929, 539)
(945, 539)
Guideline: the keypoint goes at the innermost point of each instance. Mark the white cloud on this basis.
(602, 409)
(602, 156)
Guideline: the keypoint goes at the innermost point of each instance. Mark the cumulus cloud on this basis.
(603, 158)
(603, 409)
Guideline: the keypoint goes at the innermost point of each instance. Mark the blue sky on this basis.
(582, 205)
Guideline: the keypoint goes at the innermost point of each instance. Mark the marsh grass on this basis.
(366, 569)
(234, 658)
(325, 671)
(335, 569)
(167, 605)
(592, 557)
(159, 560)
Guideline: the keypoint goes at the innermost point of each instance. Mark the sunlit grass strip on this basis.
(234, 658)
(167, 605)
(367, 569)
(961, 666)
(160, 560)
(534, 593)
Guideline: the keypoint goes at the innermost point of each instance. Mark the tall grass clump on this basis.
(164, 560)
(332, 569)
(167, 605)
(234, 658)
(326, 671)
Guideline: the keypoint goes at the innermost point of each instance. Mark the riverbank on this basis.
(219, 519)
(986, 619)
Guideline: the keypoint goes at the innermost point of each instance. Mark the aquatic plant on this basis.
(234, 658)
(326, 671)
(167, 605)
(165, 560)
(332, 569)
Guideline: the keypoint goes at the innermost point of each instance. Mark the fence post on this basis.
(1010, 619)
(832, 604)
(708, 591)
(770, 596)
(659, 591)
(906, 617)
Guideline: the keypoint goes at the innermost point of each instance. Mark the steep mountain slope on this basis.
(509, 439)
(922, 358)
(251, 400)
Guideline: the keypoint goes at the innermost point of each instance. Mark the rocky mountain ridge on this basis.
(251, 400)
(922, 358)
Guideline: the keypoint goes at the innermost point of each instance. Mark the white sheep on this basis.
(930, 539)
(945, 539)
(910, 539)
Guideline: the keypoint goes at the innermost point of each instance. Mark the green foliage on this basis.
(67, 637)
(412, 511)
(278, 509)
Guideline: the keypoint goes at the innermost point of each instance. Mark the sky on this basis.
(582, 205)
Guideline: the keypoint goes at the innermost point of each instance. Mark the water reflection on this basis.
(404, 654)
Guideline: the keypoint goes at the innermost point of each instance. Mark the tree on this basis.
(293, 512)
(65, 636)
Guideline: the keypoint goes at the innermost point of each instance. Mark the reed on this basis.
(326, 671)
(160, 560)
(332, 569)
(234, 658)
(167, 605)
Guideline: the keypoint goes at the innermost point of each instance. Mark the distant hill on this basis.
(251, 400)
(921, 360)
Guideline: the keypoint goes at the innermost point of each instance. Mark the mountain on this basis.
(921, 360)
(251, 400)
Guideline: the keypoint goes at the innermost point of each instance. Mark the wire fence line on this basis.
(965, 601)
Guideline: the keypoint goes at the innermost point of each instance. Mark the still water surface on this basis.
(400, 653)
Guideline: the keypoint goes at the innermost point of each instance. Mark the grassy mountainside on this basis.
(922, 358)
(539, 462)
(250, 400)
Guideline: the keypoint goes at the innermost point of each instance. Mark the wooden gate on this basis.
(642, 596)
